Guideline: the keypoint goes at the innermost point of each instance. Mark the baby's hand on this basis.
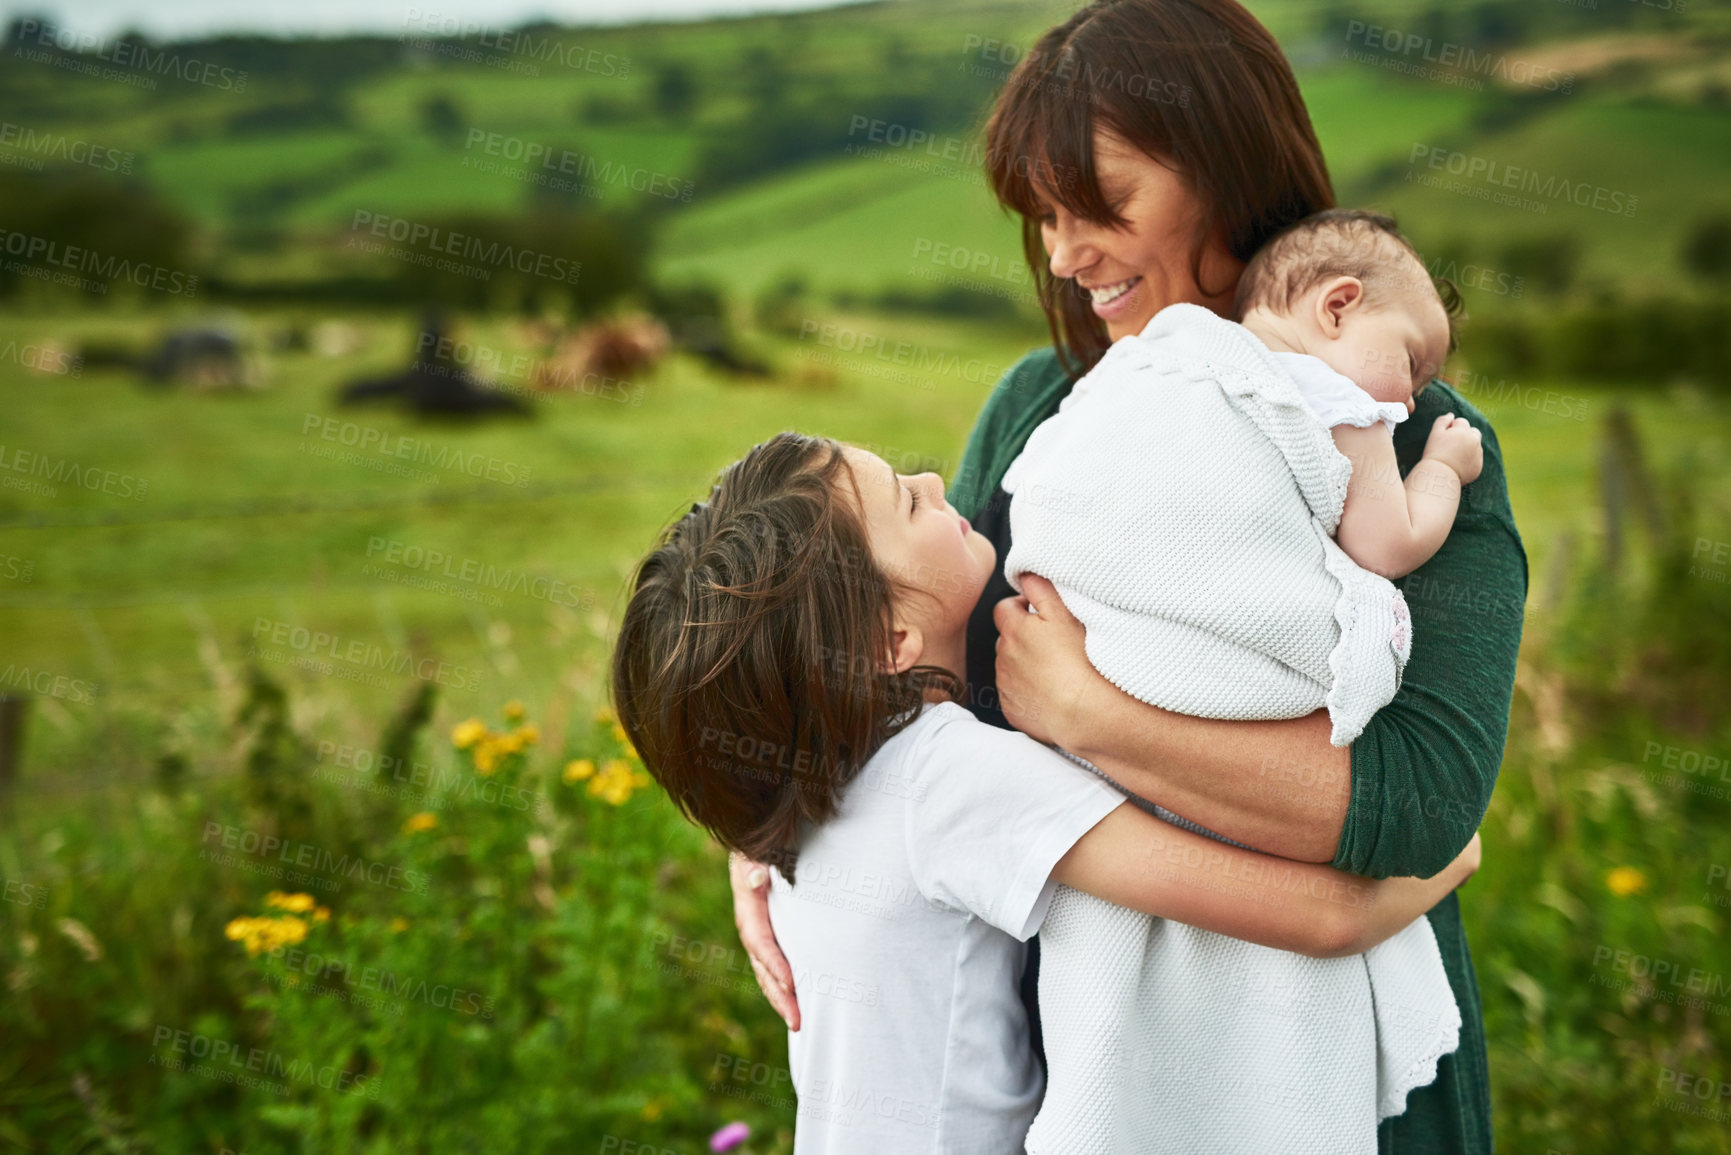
(1455, 443)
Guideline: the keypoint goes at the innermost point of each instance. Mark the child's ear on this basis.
(1339, 297)
(907, 645)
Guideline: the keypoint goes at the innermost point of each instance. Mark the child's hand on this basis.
(1455, 443)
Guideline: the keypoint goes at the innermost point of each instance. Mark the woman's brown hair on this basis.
(750, 669)
(1199, 85)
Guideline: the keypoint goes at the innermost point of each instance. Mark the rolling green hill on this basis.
(295, 156)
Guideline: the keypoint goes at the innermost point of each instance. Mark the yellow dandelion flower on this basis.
(399, 925)
(1625, 880)
(467, 733)
(294, 903)
(619, 734)
(612, 783)
(528, 734)
(605, 715)
(579, 769)
(486, 758)
(513, 710)
(287, 931)
(425, 820)
(640, 778)
(321, 914)
(261, 935)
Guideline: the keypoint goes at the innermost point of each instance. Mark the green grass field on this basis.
(232, 520)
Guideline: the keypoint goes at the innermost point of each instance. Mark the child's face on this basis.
(922, 544)
(1391, 343)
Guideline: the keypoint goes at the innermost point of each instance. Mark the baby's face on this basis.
(1392, 343)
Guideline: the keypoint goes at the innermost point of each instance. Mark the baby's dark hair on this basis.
(750, 670)
(1333, 243)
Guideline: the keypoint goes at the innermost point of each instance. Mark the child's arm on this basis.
(1390, 527)
(1135, 860)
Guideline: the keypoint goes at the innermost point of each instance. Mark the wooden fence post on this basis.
(12, 709)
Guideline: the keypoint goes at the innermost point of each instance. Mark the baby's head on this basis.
(781, 631)
(1345, 286)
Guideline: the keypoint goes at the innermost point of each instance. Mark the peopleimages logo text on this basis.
(498, 254)
(127, 53)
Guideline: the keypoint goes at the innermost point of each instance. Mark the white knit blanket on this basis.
(1162, 1039)
(1183, 501)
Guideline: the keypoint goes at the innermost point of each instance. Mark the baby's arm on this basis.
(1137, 861)
(1390, 527)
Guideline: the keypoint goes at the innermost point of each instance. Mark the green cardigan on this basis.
(1424, 768)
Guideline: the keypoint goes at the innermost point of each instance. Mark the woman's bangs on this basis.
(1043, 149)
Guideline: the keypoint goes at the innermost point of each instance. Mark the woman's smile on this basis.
(1115, 299)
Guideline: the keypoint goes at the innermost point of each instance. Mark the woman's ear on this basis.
(1339, 297)
(907, 646)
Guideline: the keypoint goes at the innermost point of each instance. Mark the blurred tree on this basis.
(596, 109)
(552, 257)
(1707, 248)
(765, 73)
(675, 91)
(17, 26)
(317, 109)
(441, 117)
(1549, 263)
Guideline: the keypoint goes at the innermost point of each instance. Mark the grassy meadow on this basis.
(317, 835)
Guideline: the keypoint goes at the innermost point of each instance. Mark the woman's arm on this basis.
(1137, 861)
(1278, 786)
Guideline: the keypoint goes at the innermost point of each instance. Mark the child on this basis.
(1185, 501)
(788, 667)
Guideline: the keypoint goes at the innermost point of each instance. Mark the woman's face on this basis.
(1134, 272)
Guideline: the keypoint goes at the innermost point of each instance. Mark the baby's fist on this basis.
(1455, 443)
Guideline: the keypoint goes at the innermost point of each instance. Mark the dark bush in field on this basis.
(108, 234)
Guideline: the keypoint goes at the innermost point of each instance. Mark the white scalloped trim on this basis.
(1362, 594)
(1422, 1073)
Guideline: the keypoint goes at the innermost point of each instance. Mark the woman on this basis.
(1150, 147)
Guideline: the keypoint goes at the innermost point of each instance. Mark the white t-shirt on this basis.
(906, 930)
(1335, 398)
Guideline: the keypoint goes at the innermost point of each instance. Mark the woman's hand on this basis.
(750, 881)
(1044, 676)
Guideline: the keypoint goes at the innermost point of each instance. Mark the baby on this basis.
(1349, 311)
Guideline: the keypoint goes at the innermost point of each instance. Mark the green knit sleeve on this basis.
(1024, 396)
(1424, 768)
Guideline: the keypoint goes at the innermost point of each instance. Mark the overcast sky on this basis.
(177, 19)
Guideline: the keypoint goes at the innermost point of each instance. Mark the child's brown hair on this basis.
(751, 670)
